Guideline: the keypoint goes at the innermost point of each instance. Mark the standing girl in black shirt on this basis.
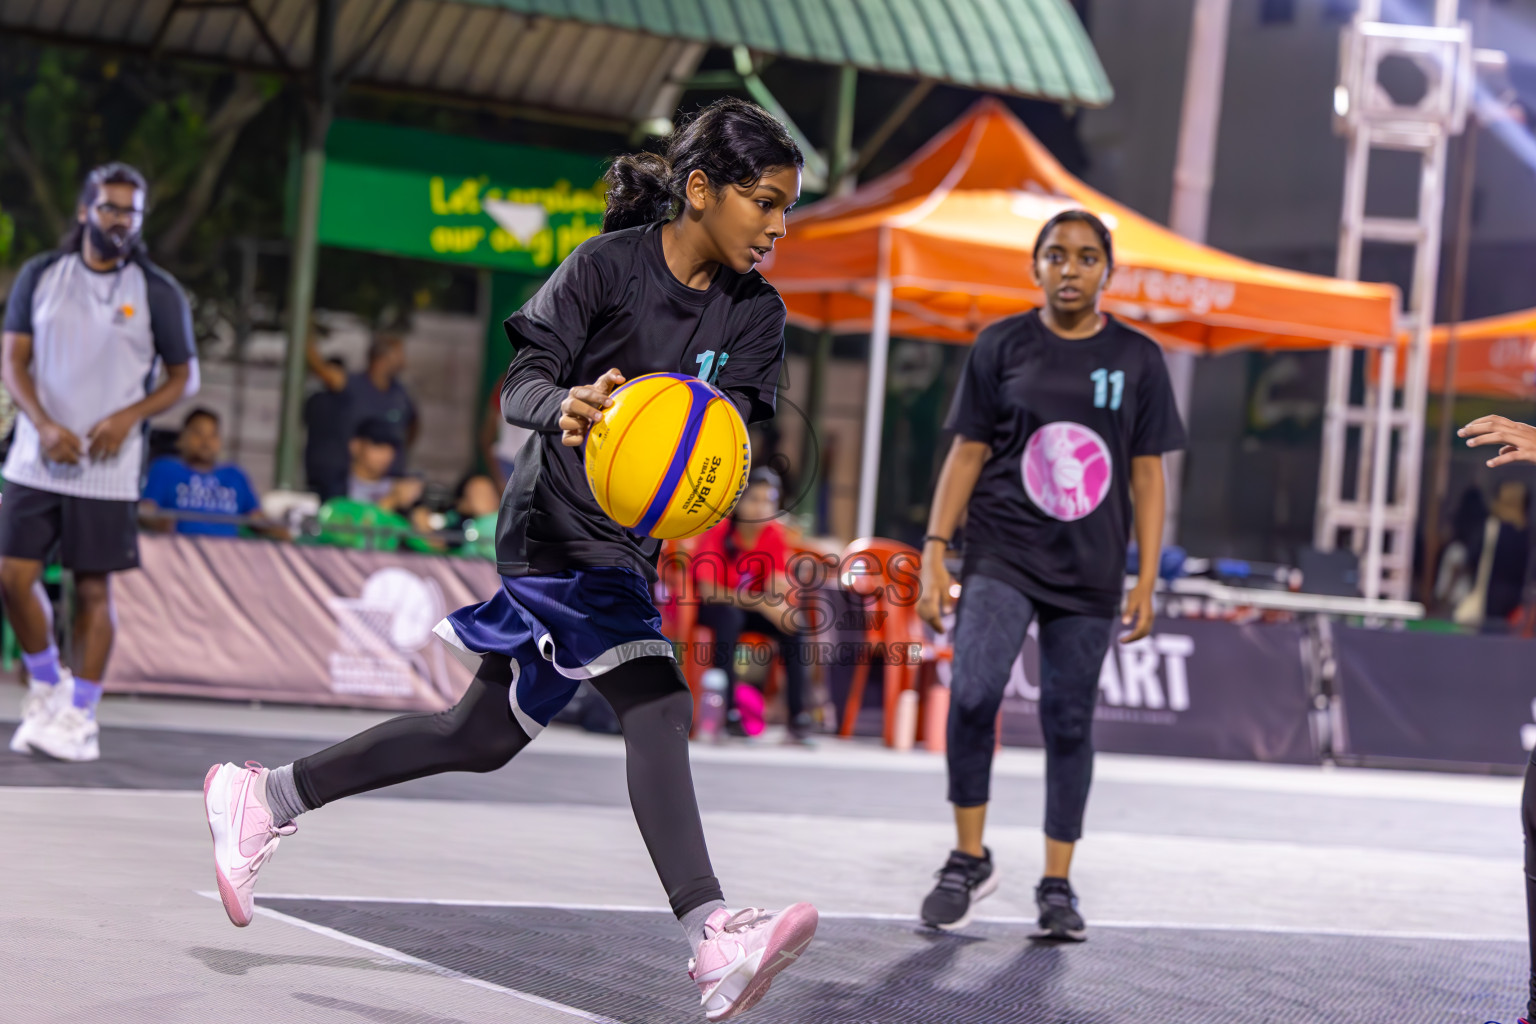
(1061, 418)
(668, 286)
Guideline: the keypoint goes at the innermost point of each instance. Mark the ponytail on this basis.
(732, 141)
(637, 191)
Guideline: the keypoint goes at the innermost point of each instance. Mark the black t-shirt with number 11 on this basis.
(1051, 513)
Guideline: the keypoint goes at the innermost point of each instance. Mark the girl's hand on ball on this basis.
(584, 406)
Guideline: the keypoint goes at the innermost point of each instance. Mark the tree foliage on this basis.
(64, 111)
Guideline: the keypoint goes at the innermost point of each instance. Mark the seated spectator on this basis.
(476, 503)
(1496, 560)
(735, 568)
(194, 481)
(374, 447)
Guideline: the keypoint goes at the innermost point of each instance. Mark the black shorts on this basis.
(91, 535)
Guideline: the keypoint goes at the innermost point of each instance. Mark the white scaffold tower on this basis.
(1375, 516)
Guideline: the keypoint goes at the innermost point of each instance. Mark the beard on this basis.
(111, 245)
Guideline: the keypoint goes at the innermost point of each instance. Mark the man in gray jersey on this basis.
(86, 330)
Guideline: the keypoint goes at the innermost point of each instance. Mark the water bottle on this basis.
(712, 706)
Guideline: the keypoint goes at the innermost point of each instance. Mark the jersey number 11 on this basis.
(1103, 383)
(709, 369)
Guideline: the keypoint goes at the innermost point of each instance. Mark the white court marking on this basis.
(96, 791)
(426, 965)
(908, 918)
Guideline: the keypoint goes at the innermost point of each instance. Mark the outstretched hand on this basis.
(1517, 441)
(584, 406)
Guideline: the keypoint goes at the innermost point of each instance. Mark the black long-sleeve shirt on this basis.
(614, 303)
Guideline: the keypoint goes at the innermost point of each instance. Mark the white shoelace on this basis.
(745, 919)
(269, 848)
(742, 920)
(35, 703)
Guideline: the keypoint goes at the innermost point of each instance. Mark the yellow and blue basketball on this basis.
(670, 456)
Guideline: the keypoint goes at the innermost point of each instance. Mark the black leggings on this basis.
(991, 623)
(479, 734)
(1528, 813)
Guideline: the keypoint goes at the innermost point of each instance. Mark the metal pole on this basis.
(1440, 479)
(840, 180)
(874, 407)
(1376, 518)
(1204, 69)
(897, 117)
(810, 467)
(301, 280)
(1330, 499)
(247, 299)
(1406, 491)
(840, 158)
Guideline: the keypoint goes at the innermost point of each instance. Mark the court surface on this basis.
(1213, 891)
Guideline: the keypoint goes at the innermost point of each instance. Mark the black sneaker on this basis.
(963, 880)
(1059, 918)
(800, 731)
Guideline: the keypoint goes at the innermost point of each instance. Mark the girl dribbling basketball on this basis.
(668, 286)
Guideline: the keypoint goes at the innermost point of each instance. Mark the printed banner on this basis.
(446, 197)
(255, 620)
(1194, 688)
(1436, 697)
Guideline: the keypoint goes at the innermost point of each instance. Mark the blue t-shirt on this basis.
(174, 485)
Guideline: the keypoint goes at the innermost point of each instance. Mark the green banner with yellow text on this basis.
(425, 195)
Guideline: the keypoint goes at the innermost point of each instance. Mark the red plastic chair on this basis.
(679, 607)
(886, 573)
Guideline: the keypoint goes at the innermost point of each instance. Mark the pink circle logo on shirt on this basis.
(1067, 470)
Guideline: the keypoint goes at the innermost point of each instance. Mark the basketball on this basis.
(670, 457)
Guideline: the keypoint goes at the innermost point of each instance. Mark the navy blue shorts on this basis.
(557, 630)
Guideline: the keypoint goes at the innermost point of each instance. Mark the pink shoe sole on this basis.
(226, 891)
(789, 938)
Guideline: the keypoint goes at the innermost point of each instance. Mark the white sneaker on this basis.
(71, 735)
(244, 836)
(743, 952)
(39, 706)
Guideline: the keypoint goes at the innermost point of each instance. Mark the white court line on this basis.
(96, 791)
(909, 918)
(427, 965)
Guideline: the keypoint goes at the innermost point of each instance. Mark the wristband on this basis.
(934, 536)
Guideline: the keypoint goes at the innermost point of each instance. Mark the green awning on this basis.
(622, 60)
(1032, 48)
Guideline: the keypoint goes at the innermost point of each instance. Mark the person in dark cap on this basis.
(375, 446)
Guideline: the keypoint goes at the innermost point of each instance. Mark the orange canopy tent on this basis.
(940, 247)
(951, 230)
(1495, 356)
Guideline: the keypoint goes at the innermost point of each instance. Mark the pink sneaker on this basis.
(743, 951)
(243, 836)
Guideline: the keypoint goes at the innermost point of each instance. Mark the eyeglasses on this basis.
(128, 213)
